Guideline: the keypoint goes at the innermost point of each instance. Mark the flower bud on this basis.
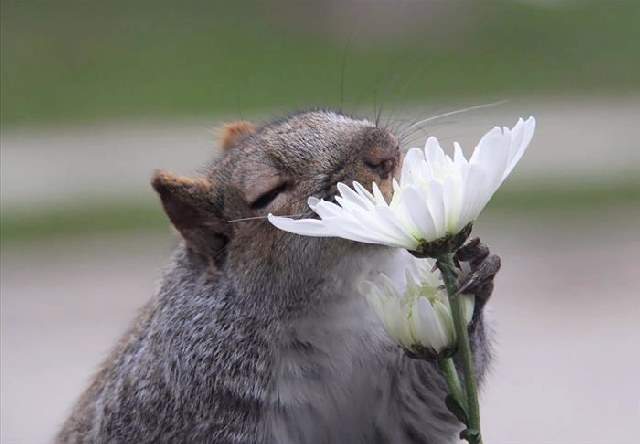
(416, 313)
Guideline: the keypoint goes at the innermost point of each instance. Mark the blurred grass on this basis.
(538, 201)
(74, 60)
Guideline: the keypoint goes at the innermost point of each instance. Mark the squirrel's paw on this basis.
(478, 267)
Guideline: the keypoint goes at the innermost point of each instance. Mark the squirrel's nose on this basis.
(382, 160)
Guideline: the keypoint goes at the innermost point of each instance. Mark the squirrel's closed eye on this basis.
(264, 199)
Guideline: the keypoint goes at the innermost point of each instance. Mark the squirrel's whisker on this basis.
(458, 111)
(247, 219)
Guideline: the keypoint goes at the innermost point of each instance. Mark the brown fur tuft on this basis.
(232, 132)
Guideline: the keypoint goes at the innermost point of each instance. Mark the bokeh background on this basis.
(95, 95)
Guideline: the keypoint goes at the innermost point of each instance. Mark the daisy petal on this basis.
(306, 227)
(418, 212)
(528, 129)
(435, 202)
(427, 326)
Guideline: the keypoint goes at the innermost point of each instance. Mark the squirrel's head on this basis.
(275, 168)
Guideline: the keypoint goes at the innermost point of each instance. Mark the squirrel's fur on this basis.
(260, 336)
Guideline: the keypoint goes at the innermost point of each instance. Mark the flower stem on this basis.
(448, 368)
(447, 268)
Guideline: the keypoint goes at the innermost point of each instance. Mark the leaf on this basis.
(457, 409)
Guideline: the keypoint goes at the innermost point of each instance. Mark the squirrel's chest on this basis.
(329, 376)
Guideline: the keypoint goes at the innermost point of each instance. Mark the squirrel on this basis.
(261, 336)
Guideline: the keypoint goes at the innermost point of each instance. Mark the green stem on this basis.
(448, 368)
(447, 268)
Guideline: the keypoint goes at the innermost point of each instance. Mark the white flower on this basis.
(437, 195)
(416, 315)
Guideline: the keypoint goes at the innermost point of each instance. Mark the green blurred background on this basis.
(97, 94)
(79, 61)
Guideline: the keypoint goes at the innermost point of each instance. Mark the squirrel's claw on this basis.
(473, 252)
(479, 267)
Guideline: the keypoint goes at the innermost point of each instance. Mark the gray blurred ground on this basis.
(566, 304)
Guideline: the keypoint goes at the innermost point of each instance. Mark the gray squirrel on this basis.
(260, 336)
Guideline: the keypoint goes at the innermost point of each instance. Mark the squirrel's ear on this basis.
(234, 131)
(189, 203)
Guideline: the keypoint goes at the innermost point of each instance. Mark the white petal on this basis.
(367, 228)
(411, 277)
(434, 155)
(306, 227)
(493, 155)
(528, 128)
(347, 228)
(352, 198)
(427, 327)
(445, 322)
(458, 155)
(473, 195)
(435, 202)
(363, 191)
(397, 326)
(313, 201)
(377, 194)
(395, 228)
(427, 274)
(412, 166)
(326, 209)
(460, 162)
(452, 199)
(490, 138)
(416, 206)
